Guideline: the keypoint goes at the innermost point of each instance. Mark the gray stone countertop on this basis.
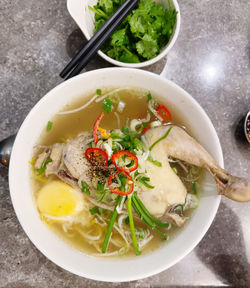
(210, 60)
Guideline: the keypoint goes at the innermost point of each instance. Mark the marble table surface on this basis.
(211, 60)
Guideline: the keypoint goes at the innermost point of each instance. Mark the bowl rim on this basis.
(71, 6)
(25, 225)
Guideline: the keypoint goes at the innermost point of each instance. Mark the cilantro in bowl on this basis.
(142, 35)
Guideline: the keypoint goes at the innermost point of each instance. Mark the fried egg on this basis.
(59, 201)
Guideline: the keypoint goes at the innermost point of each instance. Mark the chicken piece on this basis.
(168, 188)
(180, 145)
(73, 155)
(41, 158)
(55, 156)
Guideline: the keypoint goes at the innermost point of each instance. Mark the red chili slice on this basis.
(164, 113)
(96, 125)
(96, 156)
(116, 190)
(116, 156)
(145, 130)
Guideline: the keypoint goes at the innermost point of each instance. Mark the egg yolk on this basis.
(59, 199)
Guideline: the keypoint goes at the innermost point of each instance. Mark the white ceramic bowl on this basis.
(84, 18)
(54, 247)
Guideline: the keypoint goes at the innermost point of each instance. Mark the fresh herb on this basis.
(194, 186)
(110, 225)
(42, 168)
(132, 226)
(126, 220)
(94, 210)
(49, 126)
(102, 193)
(149, 97)
(155, 162)
(99, 92)
(141, 35)
(144, 180)
(138, 144)
(175, 170)
(107, 105)
(141, 213)
(140, 233)
(160, 139)
(85, 187)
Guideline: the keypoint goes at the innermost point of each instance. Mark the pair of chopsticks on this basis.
(81, 59)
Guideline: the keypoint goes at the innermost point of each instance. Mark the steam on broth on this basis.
(103, 189)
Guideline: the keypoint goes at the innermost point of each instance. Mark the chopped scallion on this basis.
(85, 188)
(42, 168)
(49, 126)
(155, 162)
(94, 210)
(160, 139)
(194, 185)
(110, 225)
(99, 92)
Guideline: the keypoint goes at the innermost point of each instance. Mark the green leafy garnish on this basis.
(155, 162)
(85, 188)
(175, 170)
(49, 126)
(194, 186)
(107, 105)
(143, 33)
(42, 168)
(160, 139)
(149, 97)
(94, 210)
(144, 180)
(99, 92)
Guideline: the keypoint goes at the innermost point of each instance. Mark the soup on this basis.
(102, 179)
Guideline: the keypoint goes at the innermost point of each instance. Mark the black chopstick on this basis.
(89, 44)
(85, 54)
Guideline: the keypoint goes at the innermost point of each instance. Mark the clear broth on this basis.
(70, 125)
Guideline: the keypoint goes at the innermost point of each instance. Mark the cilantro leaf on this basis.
(107, 105)
(119, 38)
(147, 47)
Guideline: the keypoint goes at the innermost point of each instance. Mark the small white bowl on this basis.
(84, 18)
(69, 258)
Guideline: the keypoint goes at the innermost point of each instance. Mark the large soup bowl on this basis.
(52, 246)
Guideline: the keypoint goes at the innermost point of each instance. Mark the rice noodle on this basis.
(89, 237)
(145, 241)
(111, 92)
(120, 220)
(97, 216)
(119, 207)
(79, 108)
(117, 252)
(57, 218)
(183, 166)
(122, 234)
(100, 204)
(118, 119)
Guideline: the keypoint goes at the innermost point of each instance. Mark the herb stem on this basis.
(110, 225)
(132, 227)
(145, 218)
(145, 210)
(160, 139)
